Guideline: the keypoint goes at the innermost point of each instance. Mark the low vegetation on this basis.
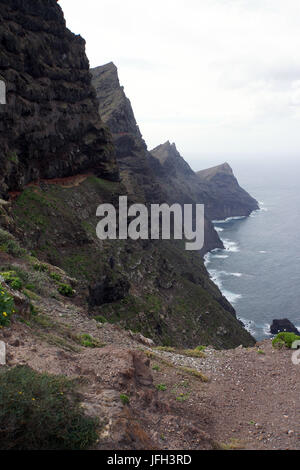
(11, 278)
(10, 245)
(42, 268)
(66, 290)
(42, 412)
(285, 339)
(197, 352)
(194, 373)
(7, 308)
(88, 341)
(100, 319)
(125, 399)
(161, 387)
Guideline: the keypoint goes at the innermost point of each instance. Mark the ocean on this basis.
(259, 270)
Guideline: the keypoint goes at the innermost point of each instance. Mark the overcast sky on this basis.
(220, 78)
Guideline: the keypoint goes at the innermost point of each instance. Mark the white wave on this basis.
(231, 296)
(229, 219)
(266, 329)
(216, 250)
(219, 229)
(207, 259)
(225, 273)
(230, 246)
(257, 211)
(249, 325)
(216, 277)
(221, 256)
(263, 252)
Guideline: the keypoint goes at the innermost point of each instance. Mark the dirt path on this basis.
(251, 400)
(253, 396)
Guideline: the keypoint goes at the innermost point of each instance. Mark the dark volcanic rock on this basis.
(135, 162)
(108, 291)
(115, 108)
(50, 126)
(228, 198)
(146, 177)
(216, 188)
(279, 326)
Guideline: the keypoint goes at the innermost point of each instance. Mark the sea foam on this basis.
(229, 219)
(231, 246)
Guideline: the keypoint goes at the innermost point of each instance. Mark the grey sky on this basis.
(221, 78)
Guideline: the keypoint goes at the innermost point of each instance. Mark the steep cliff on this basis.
(50, 126)
(66, 154)
(146, 177)
(230, 200)
(134, 160)
(215, 187)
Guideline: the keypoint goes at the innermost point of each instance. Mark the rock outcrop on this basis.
(279, 326)
(229, 199)
(50, 126)
(183, 186)
(216, 187)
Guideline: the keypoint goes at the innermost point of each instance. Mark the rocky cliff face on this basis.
(230, 200)
(148, 177)
(61, 147)
(134, 160)
(215, 187)
(50, 126)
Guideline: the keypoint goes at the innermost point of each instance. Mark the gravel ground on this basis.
(251, 400)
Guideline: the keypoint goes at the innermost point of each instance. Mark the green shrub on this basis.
(100, 319)
(37, 282)
(42, 268)
(6, 307)
(30, 287)
(10, 245)
(182, 397)
(11, 278)
(260, 351)
(285, 339)
(55, 277)
(88, 341)
(66, 290)
(161, 387)
(124, 399)
(42, 412)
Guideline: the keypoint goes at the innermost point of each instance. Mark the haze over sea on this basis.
(259, 270)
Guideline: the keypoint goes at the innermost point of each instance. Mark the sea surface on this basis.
(259, 270)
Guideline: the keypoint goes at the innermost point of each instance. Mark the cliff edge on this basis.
(50, 126)
(230, 199)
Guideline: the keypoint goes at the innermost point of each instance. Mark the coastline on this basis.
(219, 276)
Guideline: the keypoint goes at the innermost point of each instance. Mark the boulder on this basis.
(279, 326)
